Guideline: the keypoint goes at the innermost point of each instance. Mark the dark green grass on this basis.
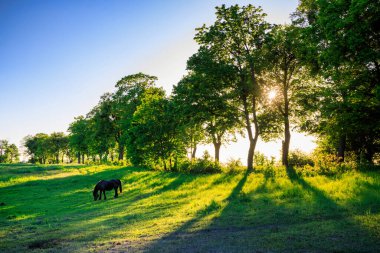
(50, 209)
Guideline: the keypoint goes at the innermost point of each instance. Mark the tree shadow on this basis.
(176, 240)
(77, 208)
(257, 221)
(250, 218)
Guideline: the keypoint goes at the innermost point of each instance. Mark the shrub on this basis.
(234, 166)
(300, 159)
(260, 159)
(204, 165)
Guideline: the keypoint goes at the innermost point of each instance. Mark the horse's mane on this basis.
(97, 185)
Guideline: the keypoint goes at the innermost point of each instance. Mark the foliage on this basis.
(300, 158)
(238, 35)
(284, 75)
(345, 53)
(153, 136)
(79, 137)
(43, 148)
(8, 152)
(203, 98)
(233, 166)
(325, 75)
(204, 165)
(261, 159)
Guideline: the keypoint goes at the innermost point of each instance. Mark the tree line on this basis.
(322, 72)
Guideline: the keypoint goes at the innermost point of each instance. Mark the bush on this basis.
(300, 159)
(234, 166)
(260, 159)
(204, 165)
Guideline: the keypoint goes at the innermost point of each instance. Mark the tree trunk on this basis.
(252, 145)
(341, 148)
(82, 158)
(78, 157)
(286, 142)
(285, 147)
(254, 92)
(217, 146)
(250, 136)
(369, 150)
(193, 152)
(121, 152)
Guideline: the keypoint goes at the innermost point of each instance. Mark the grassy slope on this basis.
(50, 208)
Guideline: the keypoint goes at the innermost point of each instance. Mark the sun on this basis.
(272, 94)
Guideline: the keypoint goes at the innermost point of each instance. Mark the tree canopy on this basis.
(312, 75)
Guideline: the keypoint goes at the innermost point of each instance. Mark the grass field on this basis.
(50, 209)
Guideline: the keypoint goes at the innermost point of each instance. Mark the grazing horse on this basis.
(104, 186)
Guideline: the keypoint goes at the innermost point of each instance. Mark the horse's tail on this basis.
(121, 190)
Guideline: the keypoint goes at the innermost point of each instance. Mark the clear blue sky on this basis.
(58, 57)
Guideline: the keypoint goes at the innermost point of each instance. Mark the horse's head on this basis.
(96, 195)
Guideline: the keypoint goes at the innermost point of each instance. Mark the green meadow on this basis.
(51, 209)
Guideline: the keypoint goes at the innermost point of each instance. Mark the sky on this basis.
(58, 57)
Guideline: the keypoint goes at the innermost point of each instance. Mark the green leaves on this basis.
(8, 152)
(324, 68)
(154, 137)
(347, 52)
(45, 148)
(204, 98)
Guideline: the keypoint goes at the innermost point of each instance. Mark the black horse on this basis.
(104, 186)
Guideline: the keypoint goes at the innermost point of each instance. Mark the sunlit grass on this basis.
(51, 208)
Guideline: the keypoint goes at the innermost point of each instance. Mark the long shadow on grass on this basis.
(42, 197)
(259, 222)
(350, 235)
(325, 203)
(114, 216)
(75, 207)
(40, 207)
(183, 239)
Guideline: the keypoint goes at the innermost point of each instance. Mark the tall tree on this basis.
(3, 148)
(238, 35)
(8, 152)
(79, 137)
(204, 96)
(154, 133)
(102, 128)
(38, 147)
(286, 77)
(128, 96)
(346, 53)
(57, 144)
(12, 153)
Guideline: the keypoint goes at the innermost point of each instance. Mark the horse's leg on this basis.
(100, 196)
(115, 191)
(104, 192)
(119, 185)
